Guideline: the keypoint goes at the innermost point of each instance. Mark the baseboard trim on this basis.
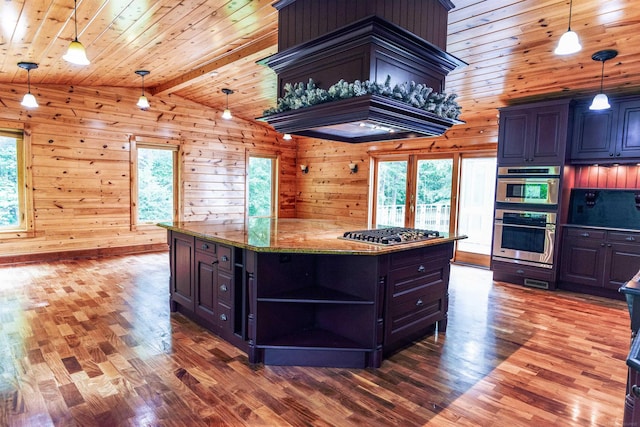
(82, 254)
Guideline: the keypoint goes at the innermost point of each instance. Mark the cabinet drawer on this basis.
(418, 308)
(224, 318)
(224, 288)
(205, 246)
(224, 257)
(405, 279)
(625, 237)
(585, 233)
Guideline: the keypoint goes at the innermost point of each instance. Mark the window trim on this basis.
(275, 157)
(175, 146)
(26, 228)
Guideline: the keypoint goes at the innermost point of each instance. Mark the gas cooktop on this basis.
(391, 236)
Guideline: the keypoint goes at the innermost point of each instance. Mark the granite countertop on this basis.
(294, 235)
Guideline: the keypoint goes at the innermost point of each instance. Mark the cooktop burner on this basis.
(391, 236)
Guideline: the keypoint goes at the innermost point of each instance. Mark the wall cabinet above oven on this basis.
(534, 134)
(607, 136)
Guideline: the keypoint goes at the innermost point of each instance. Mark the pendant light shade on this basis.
(226, 114)
(600, 101)
(569, 42)
(28, 101)
(143, 102)
(76, 54)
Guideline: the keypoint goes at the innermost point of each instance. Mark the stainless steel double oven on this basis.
(525, 216)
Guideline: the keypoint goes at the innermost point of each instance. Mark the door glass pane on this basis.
(433, 193)
(391, 194)
(477, 193)
(155, 185)
(260, 186)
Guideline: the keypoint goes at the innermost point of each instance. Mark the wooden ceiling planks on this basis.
(507, 43)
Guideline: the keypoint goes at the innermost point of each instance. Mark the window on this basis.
(15, 206)
(261, 187)
(155, 183)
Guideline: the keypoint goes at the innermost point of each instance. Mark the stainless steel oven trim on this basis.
(552, 195)
(529, 170)
(544, 259)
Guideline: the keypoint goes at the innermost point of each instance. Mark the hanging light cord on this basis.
(75, 17)
(29, 81)
(143, 85)
(602, 76)
(570, 7)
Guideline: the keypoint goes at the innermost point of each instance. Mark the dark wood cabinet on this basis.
(203, 285)
(534, 134)
(182, 278)
(417, 295)
(599, 258)
(607, 136)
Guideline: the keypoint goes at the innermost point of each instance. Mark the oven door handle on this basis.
(546, 227)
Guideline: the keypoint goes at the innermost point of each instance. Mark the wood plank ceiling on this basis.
(194, 48)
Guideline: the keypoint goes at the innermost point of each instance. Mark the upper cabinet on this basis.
(607, 136)
(534, 134)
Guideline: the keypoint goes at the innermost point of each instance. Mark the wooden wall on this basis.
(81, 173)
(622, 176)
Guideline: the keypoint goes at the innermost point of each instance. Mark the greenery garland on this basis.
(301, 95)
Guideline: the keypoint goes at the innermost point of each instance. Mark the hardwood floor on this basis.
(92, 343)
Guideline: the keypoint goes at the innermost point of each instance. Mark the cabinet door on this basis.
(628, 141)
(549, 140)
(593, 134)
(206, 286)
(582, 261)
(512, 137)
(182, 260)
(623, 262)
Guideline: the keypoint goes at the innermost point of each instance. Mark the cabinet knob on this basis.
(205, 246)
(602, 244)
(225, 258)
(419, 303)
(215, 262)
(617, 154)
(585, 234)
(631, 239)
(223, 317)
(520, 271)
(610, 154)
(635, 390)
(421, 269)
(224, 288)
(608, 245)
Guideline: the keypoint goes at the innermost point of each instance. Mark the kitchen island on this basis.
(292, 292)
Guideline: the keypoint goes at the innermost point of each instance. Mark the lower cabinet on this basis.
(203, 285)
(598, 258)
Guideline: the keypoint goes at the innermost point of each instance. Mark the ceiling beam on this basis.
(267, 41)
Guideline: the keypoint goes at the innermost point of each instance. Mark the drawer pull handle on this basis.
(215, 262)
(419, 303)
(520, 271)
(631, 239)
(225, 258)
(635, 390)
(421, 269)
(224, 288)
(585, 234)
(205, 246)
(223, 317)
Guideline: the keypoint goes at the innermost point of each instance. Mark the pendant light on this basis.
(76, 54)
(29, 100)
(569, 42)
(227, 113)
(600, 101)
(143, 102)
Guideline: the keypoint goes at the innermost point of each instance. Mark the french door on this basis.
(450, 193)
(415, 192)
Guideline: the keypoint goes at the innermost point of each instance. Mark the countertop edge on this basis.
(367, 249)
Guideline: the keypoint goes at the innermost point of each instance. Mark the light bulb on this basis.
(76, 54)
(29, 101)
(600, 102)
(227, 114)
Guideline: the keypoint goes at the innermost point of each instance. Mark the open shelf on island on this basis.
(313, 339)
(314, 294)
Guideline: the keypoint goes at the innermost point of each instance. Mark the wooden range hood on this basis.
(329, 40)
